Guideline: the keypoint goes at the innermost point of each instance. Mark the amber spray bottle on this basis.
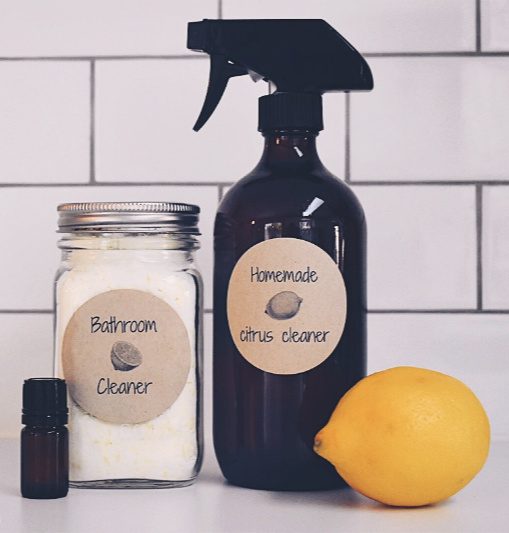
(290, 258)
(44, 439)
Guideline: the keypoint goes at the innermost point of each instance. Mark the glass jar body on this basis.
(164, 451)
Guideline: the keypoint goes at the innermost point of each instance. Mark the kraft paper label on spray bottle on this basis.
(286, 305)
(126, 356)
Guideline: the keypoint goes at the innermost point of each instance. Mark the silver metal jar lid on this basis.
(129, 217)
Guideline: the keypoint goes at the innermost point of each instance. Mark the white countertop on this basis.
(211, 506)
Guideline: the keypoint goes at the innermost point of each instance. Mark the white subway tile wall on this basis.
(27, 346)
(421, 246)
(45, 122)
(495, 243)
(495, 25)
(433, 118)
(97, 102)
(87, 28)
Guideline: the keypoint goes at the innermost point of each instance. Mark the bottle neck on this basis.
(290, 149)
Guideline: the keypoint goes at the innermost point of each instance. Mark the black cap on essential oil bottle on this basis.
(44, 402)
(44, 439)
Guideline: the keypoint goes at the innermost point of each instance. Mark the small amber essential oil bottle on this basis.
(44, 439)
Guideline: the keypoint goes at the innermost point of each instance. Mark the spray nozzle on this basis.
(299, 56)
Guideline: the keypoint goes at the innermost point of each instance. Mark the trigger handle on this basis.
(221, 70)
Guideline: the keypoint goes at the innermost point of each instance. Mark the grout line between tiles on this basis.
(472, 53)
(119, 184)
(92, 121)
(347, 138)
(478, 37)
(26, 311)
(105, 57)
(437, 54)
(220, 193)
(223, 184)
(428, 182)
(219, 9)
(479, 230)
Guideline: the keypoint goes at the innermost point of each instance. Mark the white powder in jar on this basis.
(166, 447)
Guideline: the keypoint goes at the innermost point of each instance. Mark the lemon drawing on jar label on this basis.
(125, 356)
(283, 305)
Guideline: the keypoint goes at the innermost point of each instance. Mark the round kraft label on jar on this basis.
(126, 356)
(286, 305)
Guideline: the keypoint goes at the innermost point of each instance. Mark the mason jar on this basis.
(128, 341)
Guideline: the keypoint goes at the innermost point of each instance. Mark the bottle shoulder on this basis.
(316, 193)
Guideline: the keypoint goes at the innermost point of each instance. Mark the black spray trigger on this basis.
(221, 70)
(301, 59)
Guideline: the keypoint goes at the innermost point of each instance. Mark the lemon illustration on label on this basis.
(125, 356)
(283, 305)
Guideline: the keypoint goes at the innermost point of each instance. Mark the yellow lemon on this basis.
(407, 436)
